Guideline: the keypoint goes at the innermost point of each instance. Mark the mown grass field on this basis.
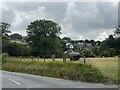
(108, 66)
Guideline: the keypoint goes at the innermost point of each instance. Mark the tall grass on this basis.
(108, 67)
(68, 70)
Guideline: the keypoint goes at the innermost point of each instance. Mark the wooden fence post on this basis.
(32, 59)
(84, 59)
(38, 58)
(64, 59)
(44, 59)
(24, 58)
(53, 58)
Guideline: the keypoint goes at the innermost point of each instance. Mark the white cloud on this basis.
(102, 36)
(78, 20)
(22, 19)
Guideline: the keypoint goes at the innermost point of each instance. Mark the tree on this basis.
(86, 41)
(68, 39)
(105, 53)
(111, 51)
(110, 37)
(44, 35)
(5, 30)
(109, 44)
(16, 49)
(16, 36)
(117, 32)
(92, 42)
(86, 52)
(98, 43)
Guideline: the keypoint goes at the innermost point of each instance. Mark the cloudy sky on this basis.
(79, 20)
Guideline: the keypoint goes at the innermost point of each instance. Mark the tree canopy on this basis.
(117, 32)
(16, 36)
(44, 35)
(5, 29)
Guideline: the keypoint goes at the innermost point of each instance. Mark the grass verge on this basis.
(68, 70)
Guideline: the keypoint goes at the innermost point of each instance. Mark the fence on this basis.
(39, 59)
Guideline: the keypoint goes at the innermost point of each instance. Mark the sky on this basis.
(78, 20)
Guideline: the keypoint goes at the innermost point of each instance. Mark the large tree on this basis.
(111, 43)
(44, 35)
(4, 34)
(5, 29)
(117, 32)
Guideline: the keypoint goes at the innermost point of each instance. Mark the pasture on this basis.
(108, 66)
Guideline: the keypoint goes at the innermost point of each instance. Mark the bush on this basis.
(16, 49)
(86, 52)
(105, 53)
(4, 57)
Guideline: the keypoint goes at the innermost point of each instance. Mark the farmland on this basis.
(108, 66)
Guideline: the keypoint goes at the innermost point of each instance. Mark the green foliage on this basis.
(4, 57)
(63, 44)
(45, 41)
(86, 52)
(44, 35)
(67, 39)
(15, 49)
(105, 53)
(16, 36)
(108, 52)
(71, 71)
(111, 51)
(111, 43)
(117, 32)
(5, 30)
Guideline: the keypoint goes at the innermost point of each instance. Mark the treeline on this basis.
(43, 40)
(15, 49)
(90, 48)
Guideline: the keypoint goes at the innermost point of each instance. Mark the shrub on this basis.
(16, 49)
(4, 57)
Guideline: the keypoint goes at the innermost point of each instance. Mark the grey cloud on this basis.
(118, 13)
(97, 16)
(8, 15)
(83, 19)
(22, 6)
(92, 18)
(52, 10)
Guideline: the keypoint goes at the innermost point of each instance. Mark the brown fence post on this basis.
(38, 58)
(53, 57)
(64, 59)
(44, 59)
(24, 58)
(32, 58)
(84, 59)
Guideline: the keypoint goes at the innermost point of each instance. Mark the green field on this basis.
(108, 66)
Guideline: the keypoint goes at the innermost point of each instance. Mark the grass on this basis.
(68, 70)
(107, 66)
